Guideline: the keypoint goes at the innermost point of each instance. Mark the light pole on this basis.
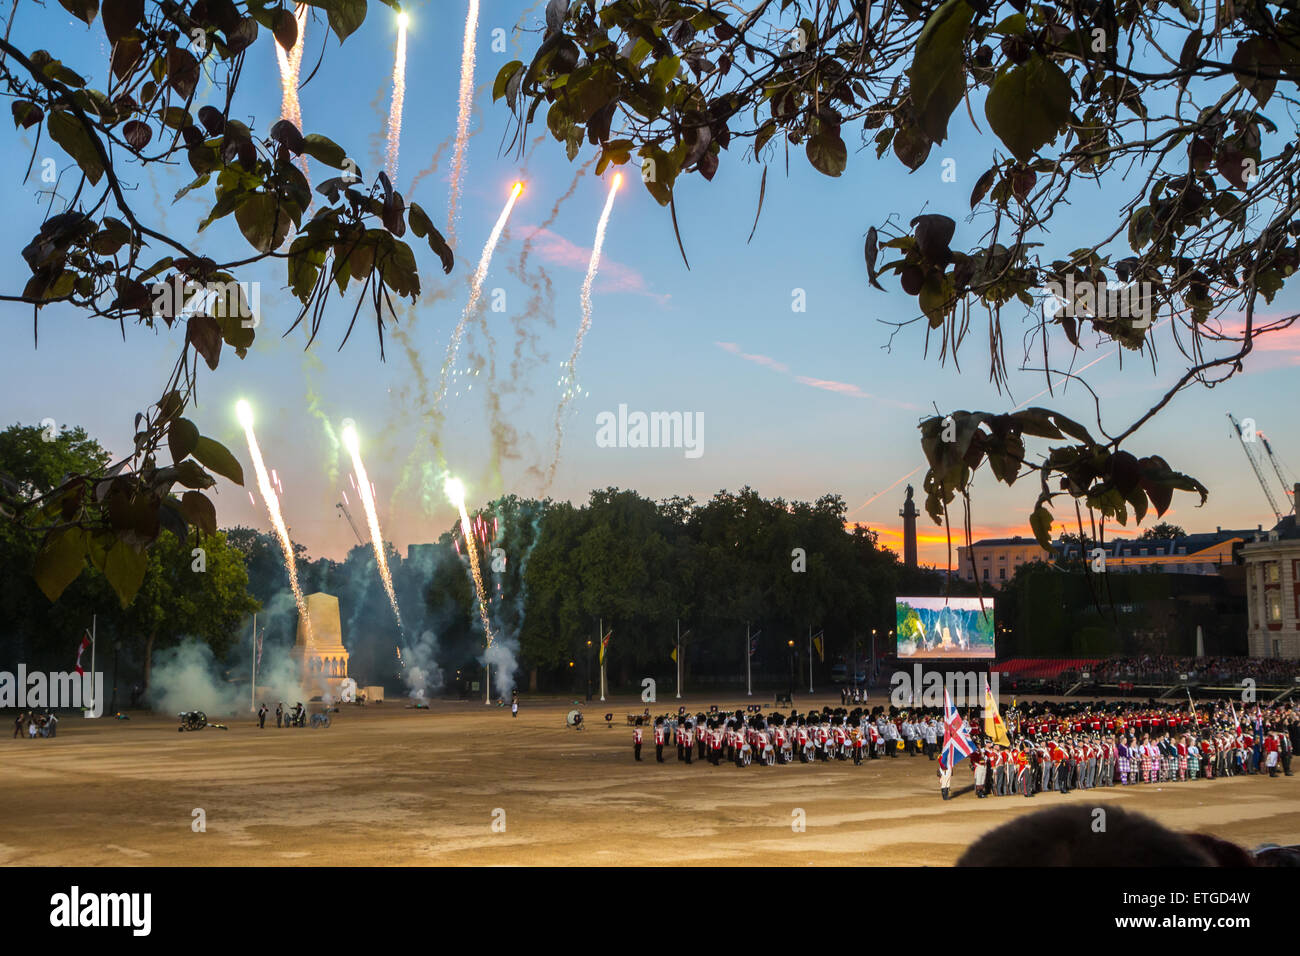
(589, 672)
(790, 645)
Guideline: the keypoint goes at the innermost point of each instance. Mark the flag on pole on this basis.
(263, 634)
(817, 643)
(673, 655)
(956, 743)
(994, 729)
(604, 642)
(85, 643)
(753, 644)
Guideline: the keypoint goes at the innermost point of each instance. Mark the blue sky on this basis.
(794, 404)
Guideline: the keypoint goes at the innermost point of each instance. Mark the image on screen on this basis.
(935, 627)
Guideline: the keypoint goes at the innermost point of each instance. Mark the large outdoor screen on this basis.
(933, 627)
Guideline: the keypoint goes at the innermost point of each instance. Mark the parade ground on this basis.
(461, 783)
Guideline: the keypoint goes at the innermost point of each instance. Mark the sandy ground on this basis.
(386, 785)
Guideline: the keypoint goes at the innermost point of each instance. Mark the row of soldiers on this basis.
(1085, 761)
(749, 737)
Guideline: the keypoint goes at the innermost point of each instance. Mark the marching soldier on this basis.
(659, 739)
(636, 740)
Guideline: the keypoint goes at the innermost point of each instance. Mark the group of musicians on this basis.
(744, 737)
(1105, 745)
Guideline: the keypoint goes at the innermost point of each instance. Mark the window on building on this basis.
(1002, 574)
(1272, 572)
(986, 574)
(1274, 601)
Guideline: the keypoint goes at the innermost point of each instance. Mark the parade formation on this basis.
(1044, 747)
(1087, 745)
(746, 737)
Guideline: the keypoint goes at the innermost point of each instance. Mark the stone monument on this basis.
(321, 657)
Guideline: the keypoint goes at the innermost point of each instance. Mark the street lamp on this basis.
(790, 645)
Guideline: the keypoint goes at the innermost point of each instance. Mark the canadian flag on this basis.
(85, 643)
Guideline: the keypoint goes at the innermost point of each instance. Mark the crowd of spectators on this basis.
(1164, 669)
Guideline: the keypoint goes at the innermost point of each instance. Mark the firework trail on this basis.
(366, 491)
(290, 64)
(455, 491)
(572, 383)
(399, 95)
(466, 100)
(245, 413)
(476, 289)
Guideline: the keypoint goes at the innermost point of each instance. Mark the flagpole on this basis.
(749, 677)
(601, 637)
(810, 687)
(94, 631)
(252, 703)
(679, 658)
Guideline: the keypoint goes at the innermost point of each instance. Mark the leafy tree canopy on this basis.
(1185, 106)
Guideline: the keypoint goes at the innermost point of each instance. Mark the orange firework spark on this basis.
(245, 413)
(455, 491)
(290, 63)
(353, 445)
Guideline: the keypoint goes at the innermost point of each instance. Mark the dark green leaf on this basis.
(1028, 105)
(937, 75)
(214, 455)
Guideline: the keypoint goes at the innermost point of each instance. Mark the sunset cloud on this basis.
(612, 277)
(825, 384)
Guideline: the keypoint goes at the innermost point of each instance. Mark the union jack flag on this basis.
(956, 742)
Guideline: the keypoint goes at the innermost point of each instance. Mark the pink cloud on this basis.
(825, 384)
(764, 360)
(611, 276)
(1281, 343)
(841, 388)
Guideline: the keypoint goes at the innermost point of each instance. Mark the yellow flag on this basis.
(673, 655)
(994, 729)
(817, 643)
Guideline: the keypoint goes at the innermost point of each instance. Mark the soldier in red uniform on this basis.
(636, 740)
(659, 739)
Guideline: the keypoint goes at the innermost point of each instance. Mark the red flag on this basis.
(85, 643)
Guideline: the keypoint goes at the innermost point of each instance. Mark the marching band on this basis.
(1058, 747)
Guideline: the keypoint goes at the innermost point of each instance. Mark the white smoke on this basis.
(501, 657)
(185, 677)
(422, 675)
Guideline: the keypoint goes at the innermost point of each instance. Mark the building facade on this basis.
(1272, 561)
(993, 561)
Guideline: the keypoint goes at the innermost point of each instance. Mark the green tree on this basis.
(184, 594)
(173, 95)
(1163, 532)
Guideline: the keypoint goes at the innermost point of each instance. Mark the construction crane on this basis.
(1254, 464)
(348, 514)
(1287, 486)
